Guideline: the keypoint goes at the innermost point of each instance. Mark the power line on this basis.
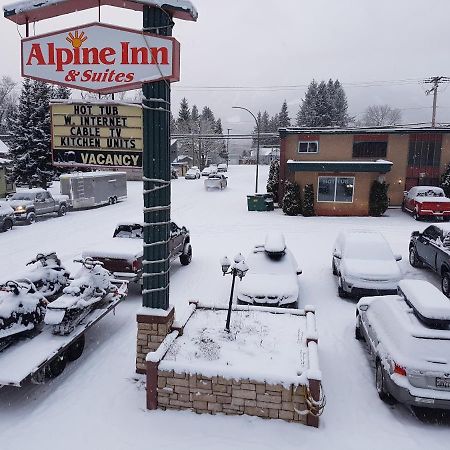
(274, 88)
(435, 81)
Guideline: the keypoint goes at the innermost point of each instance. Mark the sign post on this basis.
(156, 163)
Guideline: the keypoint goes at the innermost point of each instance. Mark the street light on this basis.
(238, 269)
(257, 142)
(228, 144)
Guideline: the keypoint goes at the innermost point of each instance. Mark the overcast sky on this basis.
(247, 51)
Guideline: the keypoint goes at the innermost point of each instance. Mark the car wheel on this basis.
(341, 291)
(186, 255)
(76, 349)
(380, 382)
(7, 225)
(358, 334)
(62, 211)
(333, 267)
(414, 258)
(31, 218)
(403, 207)
(110, 201)
(114, 200)
(417, 216)
(55, 367)
(445, 284)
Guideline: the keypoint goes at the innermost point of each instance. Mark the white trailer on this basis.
(44, 355)
(89, 189)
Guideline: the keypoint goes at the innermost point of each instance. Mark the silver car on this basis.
(408, 337)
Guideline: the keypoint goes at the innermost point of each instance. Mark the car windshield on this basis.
(367, 247)
(22, 196)
(129, 231)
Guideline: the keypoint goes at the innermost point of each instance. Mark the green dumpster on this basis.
(260, 202)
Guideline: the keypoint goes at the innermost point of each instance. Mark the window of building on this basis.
(308, 147)
(370, 149)
(336, 189)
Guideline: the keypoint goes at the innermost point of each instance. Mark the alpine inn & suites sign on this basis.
(97, 134)
(101, 58)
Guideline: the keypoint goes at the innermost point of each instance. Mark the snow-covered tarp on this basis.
(117, 248)
(261, 346)
(429, 301)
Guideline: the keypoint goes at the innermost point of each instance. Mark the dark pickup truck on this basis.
(431, 249)
(123, 254)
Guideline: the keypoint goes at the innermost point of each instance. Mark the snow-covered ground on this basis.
(99, 402)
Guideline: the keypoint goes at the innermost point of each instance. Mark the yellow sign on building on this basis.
(97, 134)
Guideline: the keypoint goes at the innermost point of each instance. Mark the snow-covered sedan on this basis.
(216, 181)
(408, 336)
(426, 201)
(193, 174)
(272, 279)
(6, 216)
(364, 264)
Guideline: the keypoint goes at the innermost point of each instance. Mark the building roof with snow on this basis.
(364, 130)
(34, 10)
(4, 149)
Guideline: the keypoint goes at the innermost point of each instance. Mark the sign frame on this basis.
(94, 166)
(114, 89)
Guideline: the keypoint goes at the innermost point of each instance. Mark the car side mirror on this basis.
(337, 254)
(398, 257)
(299, 271)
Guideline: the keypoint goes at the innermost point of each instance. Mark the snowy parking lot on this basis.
(99, 401)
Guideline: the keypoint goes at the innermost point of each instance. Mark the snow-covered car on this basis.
(426, 201)
(272, 279)
(193, 174)
(408, 336)
(222, 168)
(216, 181)
(37, 202)
(123, 253)
(6, 216)
(364, 264)
(206, 172)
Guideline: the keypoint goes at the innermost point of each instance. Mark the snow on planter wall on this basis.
(236, 384)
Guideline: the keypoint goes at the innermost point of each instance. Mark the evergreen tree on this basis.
(307, 115)
(184, 117)
(308, 201)
(283, 116)
(61, 92)
(445, 181)
(274, 180)
(291, 199)
(30, 142)
(378, 199)
(340, 115)
(195, 119)
(324, 105)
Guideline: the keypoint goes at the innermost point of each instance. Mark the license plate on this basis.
(443, 383)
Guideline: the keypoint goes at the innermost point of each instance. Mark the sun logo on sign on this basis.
(78, 40)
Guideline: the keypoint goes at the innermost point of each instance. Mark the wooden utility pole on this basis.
(435, 81)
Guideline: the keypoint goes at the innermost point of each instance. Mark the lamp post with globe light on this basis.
(238, 269)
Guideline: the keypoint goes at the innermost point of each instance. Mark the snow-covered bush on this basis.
(308, 201)
(445, 181)
(274, 179)
(378, 199)
(291, 199)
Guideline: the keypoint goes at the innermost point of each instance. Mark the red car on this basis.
(423, 201)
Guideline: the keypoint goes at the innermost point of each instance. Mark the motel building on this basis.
(342, 164)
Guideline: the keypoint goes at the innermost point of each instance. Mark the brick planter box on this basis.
(206, 387)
